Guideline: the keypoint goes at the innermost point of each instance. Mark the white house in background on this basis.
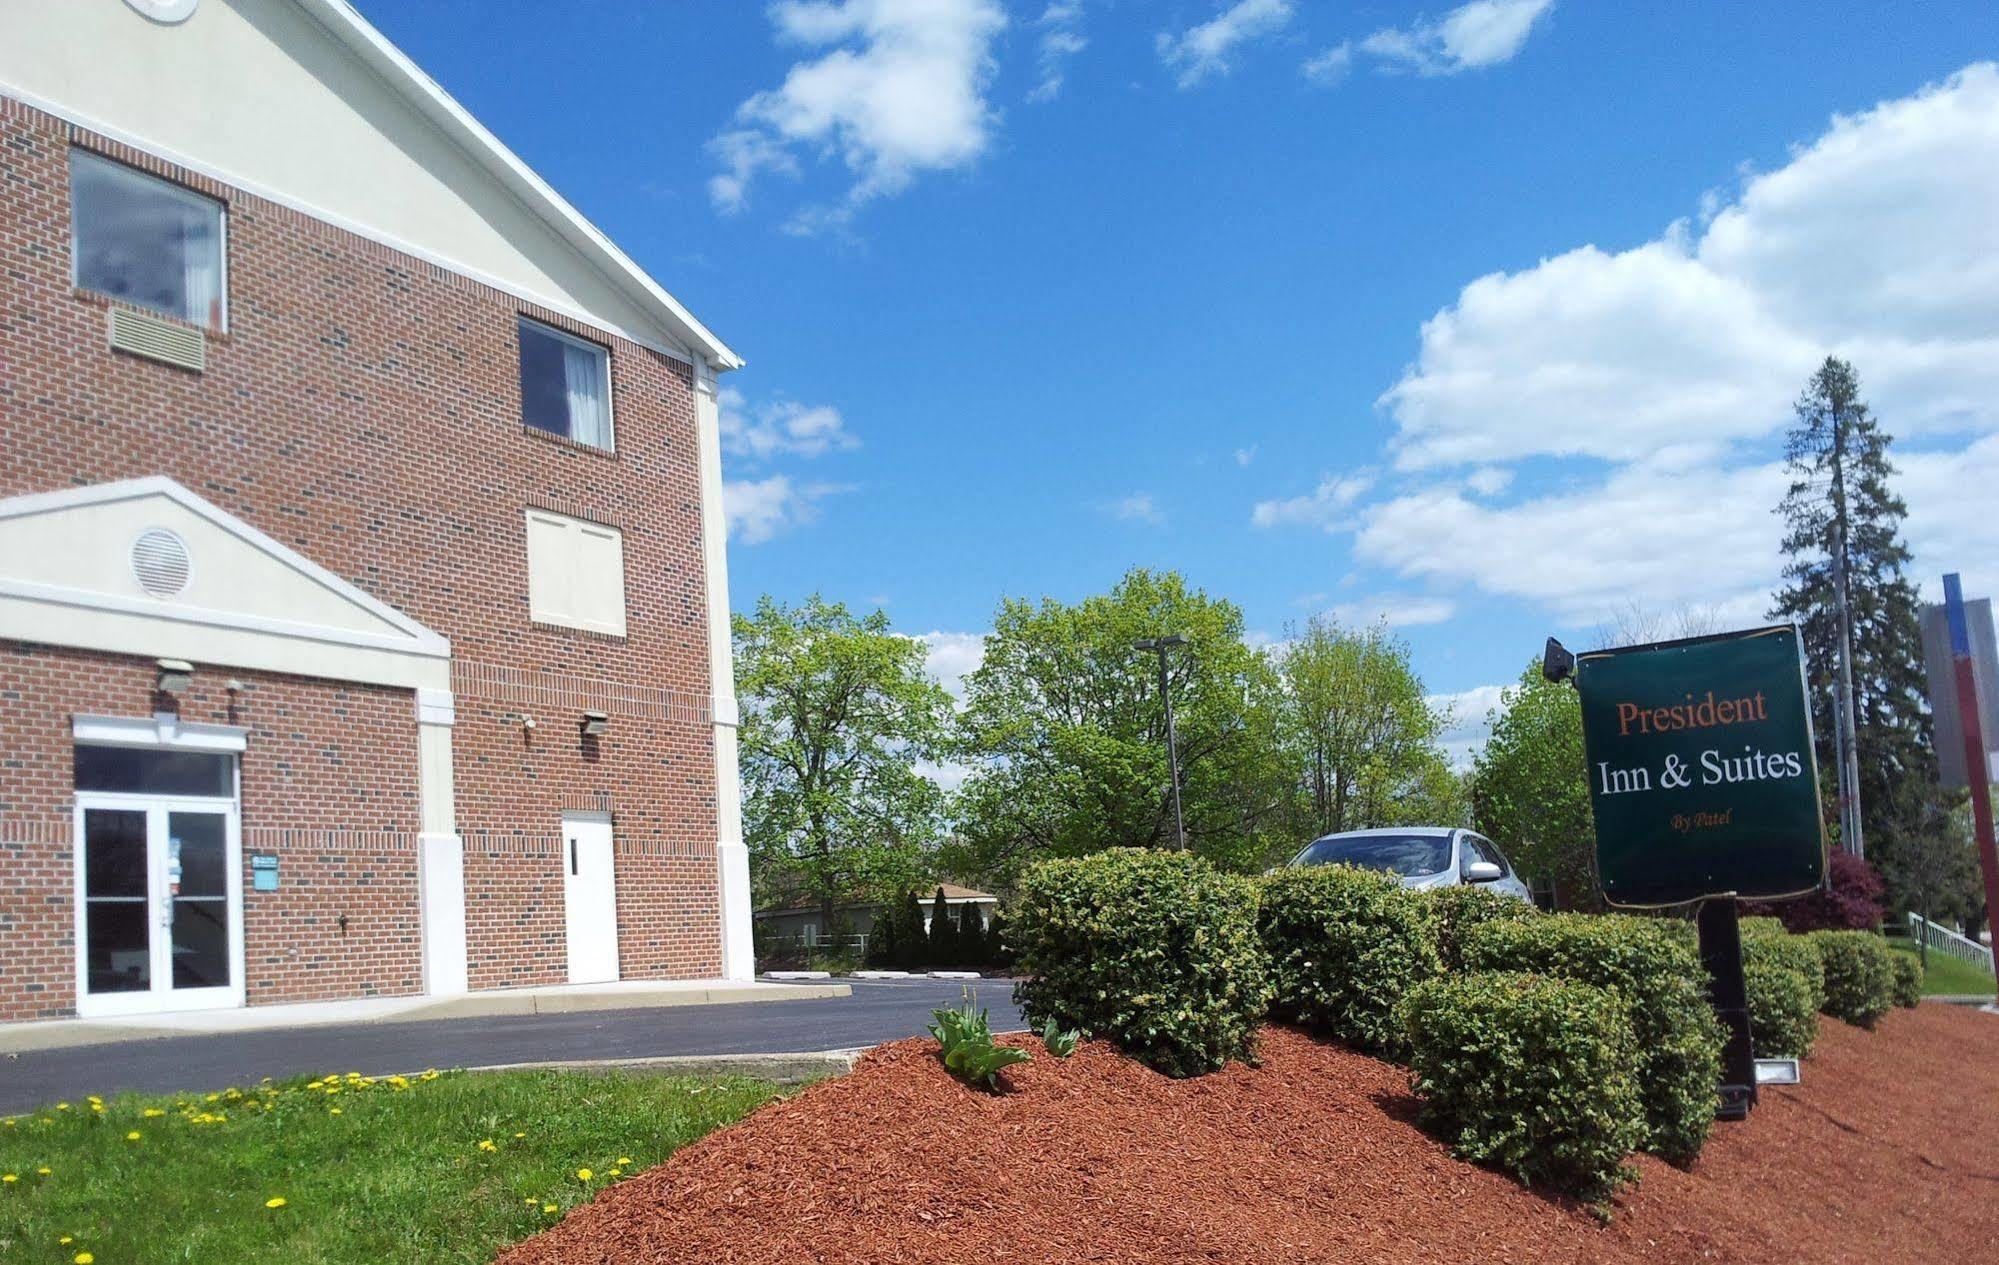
(802, 919)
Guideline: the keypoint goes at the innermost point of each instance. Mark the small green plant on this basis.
(1859, 979)
(965, 1038)
(1059, 1042)
(1908, 984)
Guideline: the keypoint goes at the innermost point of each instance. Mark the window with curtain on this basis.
(145, 241)
(565, 385)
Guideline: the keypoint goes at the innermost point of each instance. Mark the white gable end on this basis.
(148, 568)
(301, 101)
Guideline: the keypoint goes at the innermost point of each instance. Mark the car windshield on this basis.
(1410, 856)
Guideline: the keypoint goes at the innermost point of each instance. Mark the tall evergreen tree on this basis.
(1838, 459)
(943, 933)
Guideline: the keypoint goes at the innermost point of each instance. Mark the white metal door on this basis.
(159, 904)
(589, 900)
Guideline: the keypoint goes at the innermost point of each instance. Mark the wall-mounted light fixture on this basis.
(527, 721)
(596, 724)
(175, 675)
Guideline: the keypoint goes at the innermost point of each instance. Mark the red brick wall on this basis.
(364, 409)
(328, 785)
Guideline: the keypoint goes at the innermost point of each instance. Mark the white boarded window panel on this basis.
(576, 573)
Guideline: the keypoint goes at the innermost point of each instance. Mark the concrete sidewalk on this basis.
(56, 1034)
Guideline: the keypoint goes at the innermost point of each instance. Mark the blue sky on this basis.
(1483, 318)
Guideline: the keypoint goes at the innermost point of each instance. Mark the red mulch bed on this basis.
(1889, 1151)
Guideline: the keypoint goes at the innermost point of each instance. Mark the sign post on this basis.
(1976, 766)
(1705, 789)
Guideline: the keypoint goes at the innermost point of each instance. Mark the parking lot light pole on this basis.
(1159, 646)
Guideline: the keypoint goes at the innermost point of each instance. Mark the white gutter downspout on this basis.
(731, 856)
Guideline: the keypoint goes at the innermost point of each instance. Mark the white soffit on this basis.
(82, 567)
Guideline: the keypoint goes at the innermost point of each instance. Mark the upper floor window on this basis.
(565, 385)
(145, 241)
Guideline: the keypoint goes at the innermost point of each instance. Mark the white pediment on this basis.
(305, 103)
(146, 567)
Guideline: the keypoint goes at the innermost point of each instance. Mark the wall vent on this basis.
(160, 561)
(146, 335)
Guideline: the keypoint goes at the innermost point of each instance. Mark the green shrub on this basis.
(965, 1043)
(1908, 982)
(1455, 910)
(1763, 925)
(1859, 978)
(1529, 1074)
(1783, 1021)
(1344, 945)
(1660, 978)
(1791, 953)
(1156, 952)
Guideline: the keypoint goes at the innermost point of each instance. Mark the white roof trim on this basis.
(421, 640)
(437, 105)
(163, 729)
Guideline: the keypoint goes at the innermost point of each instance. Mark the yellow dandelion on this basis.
(333, 1111)
(65, 1241)
(584, 1174)
(518, 1135)
(9, 1178)
(84, 1258)
(487, 1145)
(62, 1106)
(275, 1201)
(45, 1171)
(530, 1201)
(97, 1107)
(549, 1209)
(154, 1113)
(133, 1136)
(624, 1160)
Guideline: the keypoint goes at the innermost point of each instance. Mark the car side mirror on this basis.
(1484, 872)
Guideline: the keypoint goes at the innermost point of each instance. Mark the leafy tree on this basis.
(1838, 458)
(1531, 788)
(912, 943)
(837, 713)
(943, 933)
(1065, 732)
(1362, 731)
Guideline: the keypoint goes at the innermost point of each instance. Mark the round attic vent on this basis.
(166, 12)
(160, 561)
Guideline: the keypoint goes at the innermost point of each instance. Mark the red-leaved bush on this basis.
(1852, 904)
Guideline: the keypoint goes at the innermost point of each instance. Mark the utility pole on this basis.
(1159, 646)
(1844, 740)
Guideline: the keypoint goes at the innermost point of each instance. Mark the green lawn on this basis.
(438, 1167)
(1947, 976)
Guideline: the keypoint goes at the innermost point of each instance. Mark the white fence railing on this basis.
(1944, 940)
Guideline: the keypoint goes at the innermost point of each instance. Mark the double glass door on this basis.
(159, 908)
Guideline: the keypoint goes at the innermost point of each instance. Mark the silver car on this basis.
(1421, 856)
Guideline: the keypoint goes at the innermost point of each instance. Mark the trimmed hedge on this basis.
(1456, 909)
(1345, 944)
(1659, 976)
(1908, 982)
(1530, 1074)
(1783, 1014)
(1781, 949)
(1859, 976)
(1154, 951)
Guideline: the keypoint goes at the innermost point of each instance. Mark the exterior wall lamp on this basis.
(175, 675)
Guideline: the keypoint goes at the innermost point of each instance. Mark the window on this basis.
(565, 385)
(1406, 856)
(142, 240)
(576, 573)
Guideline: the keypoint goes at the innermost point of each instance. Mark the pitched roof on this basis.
(375, 51)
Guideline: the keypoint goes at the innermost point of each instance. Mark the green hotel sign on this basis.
(1701, 771)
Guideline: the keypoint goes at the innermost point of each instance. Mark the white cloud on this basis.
(1874, 242)
(953, 657)
(1471, 712)
(1674, 359)
(1328, 507)
(1061, 39)
(1204, 50)
(1139, 507)
(1398, 610)
(1243, 456)
(1469, 37)
(783, 428)
(1331, 66)
(898, 90)
(758, 509)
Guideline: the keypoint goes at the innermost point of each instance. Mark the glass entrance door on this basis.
(159, 904)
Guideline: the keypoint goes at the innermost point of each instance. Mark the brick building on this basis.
(363, 602)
